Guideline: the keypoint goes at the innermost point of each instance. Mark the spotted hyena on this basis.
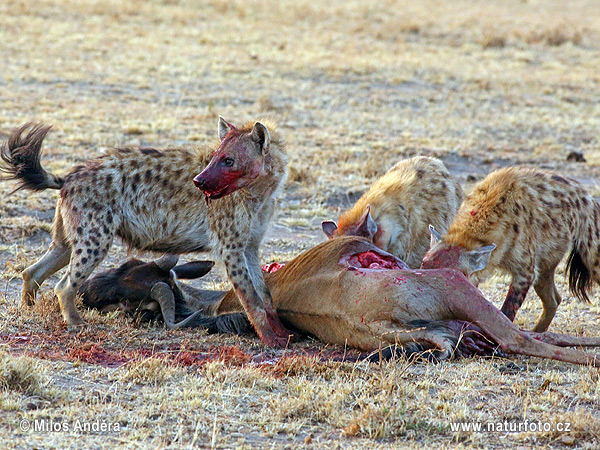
(532, 218)
(396, 211)
(147, 197)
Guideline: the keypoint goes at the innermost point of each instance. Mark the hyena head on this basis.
(442, 254)
(365, 227)
(237, 162)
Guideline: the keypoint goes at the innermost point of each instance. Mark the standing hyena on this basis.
(533, 217)
(147, 197)
(398, 208)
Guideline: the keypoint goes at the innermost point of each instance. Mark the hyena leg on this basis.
(263, 318)
(256, 275)
(521, 283)
(476, 309)
(546, 289)
(84, 260)
(55, 259)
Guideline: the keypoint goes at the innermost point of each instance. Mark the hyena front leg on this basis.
(516, 295)
(262, 315)
(546, 289)
(258, 280)
(522, 269)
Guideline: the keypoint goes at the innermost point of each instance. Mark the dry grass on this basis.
(356, 86)
(18, 374)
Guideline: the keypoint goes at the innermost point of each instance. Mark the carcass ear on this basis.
(367, 226)
(478, 259)
(261, 135)
(224, 128)
(329, 228)
(436, 237)
(194, 269)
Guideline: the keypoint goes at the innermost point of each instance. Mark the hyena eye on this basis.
(228, 162)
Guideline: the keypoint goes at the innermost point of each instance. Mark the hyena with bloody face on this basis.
(531, 218)
(147, 197)
(396, 211)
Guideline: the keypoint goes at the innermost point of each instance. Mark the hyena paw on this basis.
(74, 323)
(272, 340)
(27, 301)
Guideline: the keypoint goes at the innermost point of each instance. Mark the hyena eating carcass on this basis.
(398, 208)
(531, 217)
(147, 197)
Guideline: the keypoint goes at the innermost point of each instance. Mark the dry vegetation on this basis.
(355, 86)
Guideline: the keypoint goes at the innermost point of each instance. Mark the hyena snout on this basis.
(199, 182)
(216, 185)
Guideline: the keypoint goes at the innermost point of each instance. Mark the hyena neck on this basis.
(463, 240)
(202, 158)
(350, 219)
(275, 165)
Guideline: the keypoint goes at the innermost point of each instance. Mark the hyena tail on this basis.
(20, 159)
(579, 273)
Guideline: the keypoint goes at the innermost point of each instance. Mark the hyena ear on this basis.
(478, 259)
(367, 226)
(436, 237)
(329, 228)
(261, 135)
(224, 128)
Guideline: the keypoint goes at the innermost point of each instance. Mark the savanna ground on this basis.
(356, 86)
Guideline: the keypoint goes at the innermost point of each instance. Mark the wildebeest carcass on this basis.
(130, 288)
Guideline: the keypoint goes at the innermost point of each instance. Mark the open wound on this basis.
(372, 260)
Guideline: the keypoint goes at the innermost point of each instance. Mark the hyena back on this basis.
(396, 211)
(147, 197)
(534, 217)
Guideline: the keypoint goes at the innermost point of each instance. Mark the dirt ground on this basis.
(355, 86)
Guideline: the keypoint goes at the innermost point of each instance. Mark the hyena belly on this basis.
(165, 231)
(154, 222)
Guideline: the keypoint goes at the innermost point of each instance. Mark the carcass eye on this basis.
(228, 162)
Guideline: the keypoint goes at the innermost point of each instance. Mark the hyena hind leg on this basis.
(546, 289)
(83, 262)
(56, 258)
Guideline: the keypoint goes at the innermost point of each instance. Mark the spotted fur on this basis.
(414, 193)
(146, 197)
(534, 217)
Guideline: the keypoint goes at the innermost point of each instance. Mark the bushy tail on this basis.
(580, 280)
(20, 159)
